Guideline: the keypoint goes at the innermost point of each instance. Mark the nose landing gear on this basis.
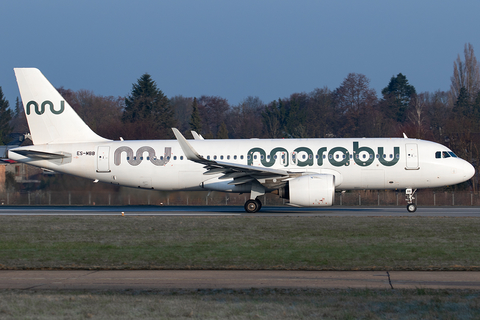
(410, 196)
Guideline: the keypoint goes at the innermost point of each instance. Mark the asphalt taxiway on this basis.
(233, 279)
(239, 211)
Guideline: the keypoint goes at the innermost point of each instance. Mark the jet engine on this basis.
(311, 190)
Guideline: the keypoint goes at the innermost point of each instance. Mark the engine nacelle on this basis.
(312, 190)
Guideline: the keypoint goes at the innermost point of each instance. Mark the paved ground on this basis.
(239, 211)
(230, 279)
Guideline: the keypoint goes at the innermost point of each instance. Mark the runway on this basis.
(232, 279)
(282, 211)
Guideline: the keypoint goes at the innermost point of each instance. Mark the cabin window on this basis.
(283, 157)
(255, 157)
(261, 157)
(221, 157)
(168, 158)
(309, 156)
(228, 157)
(397, 156)
(304, 156)
(391, 156)
(330, 156)
(241, 157)
(275, 157)
(174, 157)
(248, 157)
(181, 157)
(324, 157)
(337, 156)
(128, 158)
(161, 157)
(214, 157)
(235, 157)
(208, 157)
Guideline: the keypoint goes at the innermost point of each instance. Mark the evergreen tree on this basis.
(18, 108)
(461, 107)
(398, 94)
(5, 118)
(148, 107)
(195, 121)
(222, 131)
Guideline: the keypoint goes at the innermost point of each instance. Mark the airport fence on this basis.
(147, 197)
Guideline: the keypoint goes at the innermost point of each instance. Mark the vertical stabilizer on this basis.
(50, 118)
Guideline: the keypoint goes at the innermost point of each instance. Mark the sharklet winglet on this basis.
(190, 153)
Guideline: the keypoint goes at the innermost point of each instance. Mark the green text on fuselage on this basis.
(337, 156)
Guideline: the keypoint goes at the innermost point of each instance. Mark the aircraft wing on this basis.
(240, 172)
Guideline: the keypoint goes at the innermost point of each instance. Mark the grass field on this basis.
(242, 304)
(315, 243)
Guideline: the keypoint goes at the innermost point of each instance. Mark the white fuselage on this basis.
(357, 163)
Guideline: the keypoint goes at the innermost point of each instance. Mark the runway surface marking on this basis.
(232, 279)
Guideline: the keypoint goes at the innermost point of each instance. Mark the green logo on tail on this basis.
(41, 109)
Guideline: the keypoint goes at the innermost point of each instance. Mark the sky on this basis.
(234, 49)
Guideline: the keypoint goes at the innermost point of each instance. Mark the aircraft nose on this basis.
(468, 170)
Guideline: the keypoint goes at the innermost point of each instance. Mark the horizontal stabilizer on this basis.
(40, 154)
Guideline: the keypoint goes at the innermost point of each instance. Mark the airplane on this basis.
(306, 172)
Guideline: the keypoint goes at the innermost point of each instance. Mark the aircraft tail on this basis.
(50, 118)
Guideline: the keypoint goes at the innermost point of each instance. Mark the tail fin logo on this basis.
(41, 109)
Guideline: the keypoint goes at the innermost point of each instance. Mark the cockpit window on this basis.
(445, 154)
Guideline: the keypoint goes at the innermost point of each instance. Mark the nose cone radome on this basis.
(468, 170)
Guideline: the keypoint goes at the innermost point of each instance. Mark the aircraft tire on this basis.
(411, 207)
(252, 206)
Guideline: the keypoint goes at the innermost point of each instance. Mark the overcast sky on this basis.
(234, 49)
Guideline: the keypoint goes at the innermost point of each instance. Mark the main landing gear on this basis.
(411, 207)
(252, 206)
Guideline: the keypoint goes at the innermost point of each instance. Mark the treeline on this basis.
(354, 109)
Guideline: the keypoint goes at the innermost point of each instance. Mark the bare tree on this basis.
(465, 74)
(416, 116)
(353, 99)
